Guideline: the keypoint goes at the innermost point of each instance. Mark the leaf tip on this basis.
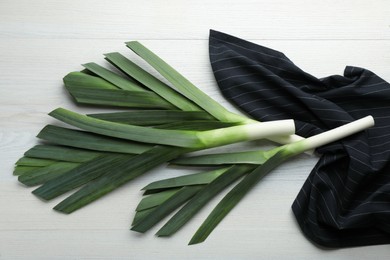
(130, 43)
(63, 208)
(54, 112)
(135, 229)
(38, 192)
(162, 233)
(145, 188)
(195, 241)
(198, 237)
(88, 64)
(109, 54)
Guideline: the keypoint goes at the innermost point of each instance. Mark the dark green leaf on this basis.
(155, 199)
(81, 139)
(44, 174)
(80, 175)
(248, 157)
(151, 82)
(114, 78)
(19, 170)
(195, 125)
(79, 79)
(61, 153)
(187, 180)
(118, 175)
(141, 214)
(118, 98)
(27, 161)
(188, 89)
(153, 117)
(202, 197)
(235, 195)
(165, 208)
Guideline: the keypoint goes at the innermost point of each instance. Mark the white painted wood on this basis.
(40, 41)
(175, 19)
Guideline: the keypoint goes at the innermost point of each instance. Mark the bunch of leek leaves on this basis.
(161, 124)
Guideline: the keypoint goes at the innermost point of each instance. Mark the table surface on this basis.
(41, 41)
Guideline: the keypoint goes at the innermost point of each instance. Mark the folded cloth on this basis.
(345, 201)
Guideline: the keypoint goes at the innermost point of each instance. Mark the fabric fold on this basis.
(345, 200)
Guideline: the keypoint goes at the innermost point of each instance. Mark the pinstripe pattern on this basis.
(345, 201)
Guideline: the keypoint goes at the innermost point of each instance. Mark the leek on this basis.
(180, 138)
(110, 149)
(253, 174)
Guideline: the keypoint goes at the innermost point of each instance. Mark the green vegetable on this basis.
(158, 123)
(254, 172)
(180, 138)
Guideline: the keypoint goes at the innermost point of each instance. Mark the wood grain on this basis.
(177, 19)
(41, 41)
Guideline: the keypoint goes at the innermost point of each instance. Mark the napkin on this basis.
(345, 200)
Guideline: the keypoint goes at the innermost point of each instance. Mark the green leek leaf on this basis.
(153, 117)
(82, 80)
(27, 161)
(81, 175)
(151, 82)
(44, 174)
(118, 174)
(187, 180)
(246, 157)
(61, 153)
(235, 195)
(141, 215)
(168, 206)
(81, 139)
(188, 89)
(118, 98)
(202, 197)
(19, 170)
(114, 78)
(195, 125)
(155, 199)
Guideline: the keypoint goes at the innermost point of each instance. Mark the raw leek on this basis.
(165, 123)
(180, 138)
(253, 171)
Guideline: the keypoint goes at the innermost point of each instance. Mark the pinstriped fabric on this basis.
(345, 201)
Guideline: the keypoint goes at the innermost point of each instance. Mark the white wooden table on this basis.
(41, 41)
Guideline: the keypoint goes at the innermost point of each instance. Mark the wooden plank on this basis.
(278, 19)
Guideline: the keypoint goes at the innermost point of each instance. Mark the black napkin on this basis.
(345, 201)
